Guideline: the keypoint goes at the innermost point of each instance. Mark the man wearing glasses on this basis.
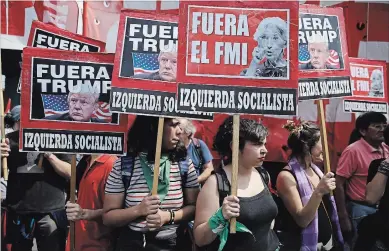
(352, 172)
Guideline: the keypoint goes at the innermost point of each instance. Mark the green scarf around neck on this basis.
(164, 174)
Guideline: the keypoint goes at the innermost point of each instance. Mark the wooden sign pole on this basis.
(40, 162)
(157, 156)
(73, 200)
(235, 164)
(323, 136)
(2, 130)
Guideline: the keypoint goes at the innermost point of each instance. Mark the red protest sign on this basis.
(323, 56)
(145, 71)
(65, 98)
(370, 86)
(49, 36)
(234, 45)
(322, 42)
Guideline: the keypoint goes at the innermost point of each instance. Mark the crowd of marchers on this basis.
(306, 208)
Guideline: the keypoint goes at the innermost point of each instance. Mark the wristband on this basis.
(384, 168)
(172, 216)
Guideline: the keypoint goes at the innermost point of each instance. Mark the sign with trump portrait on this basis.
(237, 57)
(323, 57)
(65, 101)
(145, 71)
(370, 87)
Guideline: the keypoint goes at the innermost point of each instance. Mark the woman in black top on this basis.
(253, 207)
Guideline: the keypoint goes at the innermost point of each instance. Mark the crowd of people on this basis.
(306, 210)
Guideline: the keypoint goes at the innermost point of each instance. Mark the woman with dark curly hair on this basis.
(253, 207)
(304, 190)
(151, 222)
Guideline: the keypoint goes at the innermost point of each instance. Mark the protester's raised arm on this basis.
(287, 189)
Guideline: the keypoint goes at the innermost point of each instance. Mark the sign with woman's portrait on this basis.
(238, 42)
(369, 85)
(244, 45)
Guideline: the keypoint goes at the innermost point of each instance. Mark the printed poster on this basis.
(237, 57)
(65, 100)
(145, 72)
(370, 87)
(51, 37)
(323, 56)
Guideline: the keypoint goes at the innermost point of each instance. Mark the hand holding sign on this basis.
(258, 54)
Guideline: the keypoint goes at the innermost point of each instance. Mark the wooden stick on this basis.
(2, 129)
(40, 162)
(157, 159)
(235, 165)
(73, 200)
(323, 136)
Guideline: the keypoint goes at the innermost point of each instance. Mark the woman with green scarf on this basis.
(254, 206)
(151, 222)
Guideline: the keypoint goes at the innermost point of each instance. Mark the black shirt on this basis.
(257, 214)
(384, 202)
(32, 189)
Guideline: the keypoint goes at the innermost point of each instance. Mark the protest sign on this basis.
(145, 72)
(51, 37)
(65, 100)
(151, 103)
(247, 100)
(323, 59)
(369, 85)
(48, 36)
(239, 44)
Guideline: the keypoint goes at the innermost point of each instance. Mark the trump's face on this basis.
(168, 66)
(82, 107)
(319, 55)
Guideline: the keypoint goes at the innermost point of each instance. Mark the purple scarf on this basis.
(310, 233)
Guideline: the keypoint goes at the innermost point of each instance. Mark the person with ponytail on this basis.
(304, 191)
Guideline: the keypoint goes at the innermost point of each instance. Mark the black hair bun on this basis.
(9, 121)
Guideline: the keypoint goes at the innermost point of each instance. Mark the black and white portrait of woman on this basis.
(377, 84)
(268, 61)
